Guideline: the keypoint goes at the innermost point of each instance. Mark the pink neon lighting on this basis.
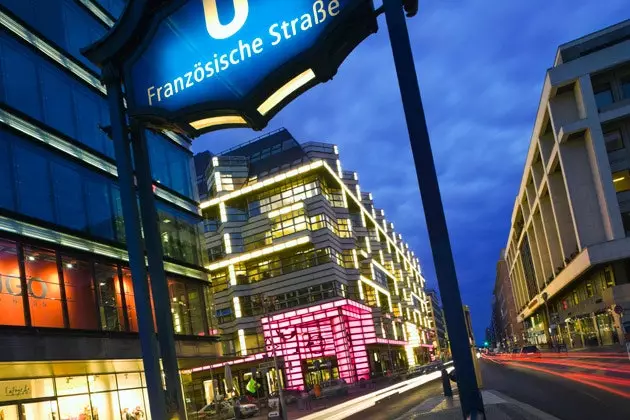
(341, 329)
(325, 331)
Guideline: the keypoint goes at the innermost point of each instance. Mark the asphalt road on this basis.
(563, 398)
(397, 406)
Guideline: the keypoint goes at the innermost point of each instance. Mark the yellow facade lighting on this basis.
(259, 253)
(217, 121)
(285, 210)
(285, 91)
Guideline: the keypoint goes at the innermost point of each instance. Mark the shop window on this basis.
(11, 302)
(44, 292)
(128, 380)
(195, 302)
(75, 407)
(130, 300)
(100, 383)
(105, 406)
(109, 297)
(132, 404)
(41, 410)
(80, 298)
(179, 307)
(72, 385)
(621, 180)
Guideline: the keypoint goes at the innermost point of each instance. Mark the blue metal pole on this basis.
(148, 342)
(470, 396)
(159, 286)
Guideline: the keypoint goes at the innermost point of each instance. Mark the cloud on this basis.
(480, 64)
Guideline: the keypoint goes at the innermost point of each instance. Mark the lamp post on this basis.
(471, 401)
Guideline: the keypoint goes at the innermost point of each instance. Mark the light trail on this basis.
(576, 377)
(576, 364)
(355, 405)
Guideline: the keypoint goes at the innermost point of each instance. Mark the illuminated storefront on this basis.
(95, 397)
(314, 344)
(41, 287)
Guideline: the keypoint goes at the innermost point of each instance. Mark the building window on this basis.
(130, 300)
(625, 217)
(80, 298)
(288, 223)
(109, 297)
(625, 87)
(11, 303)
(44, 291)
(621, 180)
(614, 140)
(603, 95)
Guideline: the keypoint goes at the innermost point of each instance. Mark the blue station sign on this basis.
(202, 65)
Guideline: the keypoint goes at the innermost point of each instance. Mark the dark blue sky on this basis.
(481, 64)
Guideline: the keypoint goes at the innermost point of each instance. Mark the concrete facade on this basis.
(506, 331)
(568, 246)
(287, 229)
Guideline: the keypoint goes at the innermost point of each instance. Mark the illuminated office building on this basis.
(67, 313)
(304, 266)
(568, 250)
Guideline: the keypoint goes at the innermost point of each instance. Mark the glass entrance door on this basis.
(44, 410)
(9, 412)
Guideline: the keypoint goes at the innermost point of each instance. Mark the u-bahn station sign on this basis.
(195, 66)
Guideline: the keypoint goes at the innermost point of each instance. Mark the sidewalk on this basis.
(497, 406)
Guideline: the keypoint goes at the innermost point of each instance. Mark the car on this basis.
(515, 352)
(335, 387)
(220, 410)
(249, 410)
(530, 351)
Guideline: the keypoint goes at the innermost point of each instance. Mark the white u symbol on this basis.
(218, 30)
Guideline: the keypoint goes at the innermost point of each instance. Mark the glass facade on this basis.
(62, 290)
(106, 396)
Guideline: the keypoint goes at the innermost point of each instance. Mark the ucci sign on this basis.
(206, 64)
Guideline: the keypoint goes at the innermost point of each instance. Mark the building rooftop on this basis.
(593, 42)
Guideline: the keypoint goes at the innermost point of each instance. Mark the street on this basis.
(570, 387)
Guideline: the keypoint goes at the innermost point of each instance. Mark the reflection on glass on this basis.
(130, 300)
(77, 276)
(11, 304)
(44, 293)
(179, 307)
(109, 298)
